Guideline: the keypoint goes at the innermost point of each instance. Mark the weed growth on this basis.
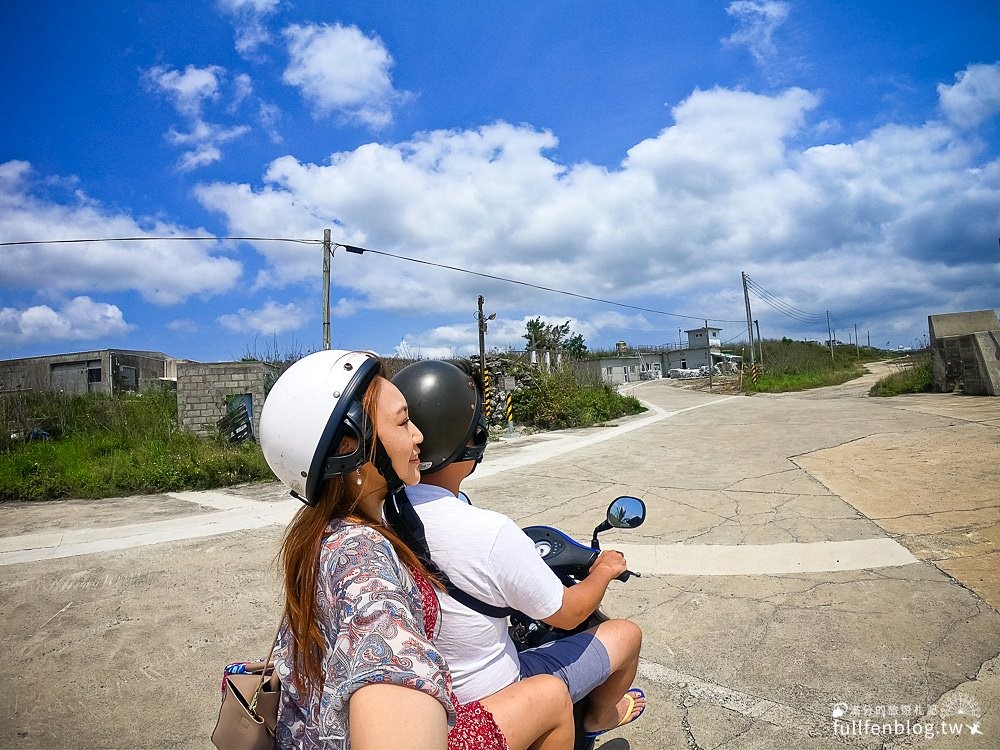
(58, 445)
(914, 375)
(559, 399)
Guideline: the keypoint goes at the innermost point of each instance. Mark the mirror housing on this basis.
(625, 512)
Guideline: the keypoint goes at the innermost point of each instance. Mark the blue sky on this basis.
(845, 155)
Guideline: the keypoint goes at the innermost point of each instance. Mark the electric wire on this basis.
(360, 250)
(786, 308)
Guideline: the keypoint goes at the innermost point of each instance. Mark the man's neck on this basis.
(449, 478)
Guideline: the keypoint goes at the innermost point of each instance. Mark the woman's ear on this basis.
(347, 445)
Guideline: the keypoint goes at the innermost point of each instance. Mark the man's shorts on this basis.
(581, 661)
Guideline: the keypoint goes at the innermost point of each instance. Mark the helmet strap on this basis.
(383, 464)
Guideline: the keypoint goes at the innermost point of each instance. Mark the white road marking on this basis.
(764, 559)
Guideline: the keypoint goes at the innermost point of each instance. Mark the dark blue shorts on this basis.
(581, 661)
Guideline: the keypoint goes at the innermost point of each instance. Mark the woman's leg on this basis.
(534, 713)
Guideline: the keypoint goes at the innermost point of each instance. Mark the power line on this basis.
(786, 308)
(360, 250)
(160, 239)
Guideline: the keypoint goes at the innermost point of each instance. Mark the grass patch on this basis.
(800, 365)
(915, 375)
(558, 399)
(109, 446)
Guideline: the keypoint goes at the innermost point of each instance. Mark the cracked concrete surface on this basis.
(124, 648)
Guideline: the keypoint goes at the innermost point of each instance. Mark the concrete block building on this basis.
(98, 371)
(208, 392)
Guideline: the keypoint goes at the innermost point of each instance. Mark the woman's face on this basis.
(398, 434)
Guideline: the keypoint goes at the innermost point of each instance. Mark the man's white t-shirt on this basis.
(486, 555)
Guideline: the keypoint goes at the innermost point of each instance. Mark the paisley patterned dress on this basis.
(377, 622)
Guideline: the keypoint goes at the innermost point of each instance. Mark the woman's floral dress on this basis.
(377, 623)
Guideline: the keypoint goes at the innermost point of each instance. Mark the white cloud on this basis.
(188, 92)
(974, 97)
(77, 319)
(904, 218)
(343, 72)
(757, 20)
(272, 318)
(248, 18)
(161, 272)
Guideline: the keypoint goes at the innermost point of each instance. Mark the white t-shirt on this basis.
(486, 555)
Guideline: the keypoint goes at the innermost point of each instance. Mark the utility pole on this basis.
(857, 347)
(327, 253)
(829, 332)
(482, 339)
(711, 363)
(869, 339)
(746, 300)
(482, 320)
(760, 343)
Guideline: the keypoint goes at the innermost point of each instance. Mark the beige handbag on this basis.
(249, 711)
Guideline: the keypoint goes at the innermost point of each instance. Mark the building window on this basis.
(93, 374)
(130, 378)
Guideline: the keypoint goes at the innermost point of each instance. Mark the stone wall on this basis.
(204, 390)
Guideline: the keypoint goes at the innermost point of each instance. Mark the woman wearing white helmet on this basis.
(355, 656)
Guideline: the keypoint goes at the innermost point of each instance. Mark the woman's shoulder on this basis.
(351, 547)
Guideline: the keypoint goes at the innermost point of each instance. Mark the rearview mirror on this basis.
(626, 512)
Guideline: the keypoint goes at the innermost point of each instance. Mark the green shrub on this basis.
(915, 375)
(107, 446)
(557, 400)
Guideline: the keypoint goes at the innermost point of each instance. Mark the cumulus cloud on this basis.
(248, 17)
(342, 72)
(189, 91)
(271, 318)
(161, 272)
(78, 319)
(974, 97)
(904, 219)
(757, 21)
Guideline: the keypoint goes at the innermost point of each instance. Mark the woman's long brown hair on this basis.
(299, 555)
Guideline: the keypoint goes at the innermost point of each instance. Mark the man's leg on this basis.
(600, 663)
(606, 704)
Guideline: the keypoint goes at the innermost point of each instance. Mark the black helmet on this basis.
(445, 404)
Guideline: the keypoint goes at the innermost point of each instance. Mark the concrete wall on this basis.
(203, 391)
(965, 351)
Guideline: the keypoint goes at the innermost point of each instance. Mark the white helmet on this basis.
(313, 405)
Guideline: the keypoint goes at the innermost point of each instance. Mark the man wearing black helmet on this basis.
(491, 566)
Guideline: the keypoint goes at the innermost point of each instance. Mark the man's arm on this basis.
(581, 600)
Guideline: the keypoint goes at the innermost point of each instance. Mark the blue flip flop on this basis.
(631, 708)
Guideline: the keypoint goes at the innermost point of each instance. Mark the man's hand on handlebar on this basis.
(610, 564)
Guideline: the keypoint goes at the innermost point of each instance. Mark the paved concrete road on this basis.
(805, 555)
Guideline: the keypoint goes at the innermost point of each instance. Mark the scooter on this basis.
(571, 562)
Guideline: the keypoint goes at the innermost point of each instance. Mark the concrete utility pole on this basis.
(760, 343)
(711, 362)
(857, 347)
(327, 252)
(482, 320)
(482, 339)
(746, 300)
(829, 332)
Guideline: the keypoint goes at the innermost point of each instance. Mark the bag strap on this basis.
(403, 519)
(263, 672)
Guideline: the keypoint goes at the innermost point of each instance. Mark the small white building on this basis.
(643, 363)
